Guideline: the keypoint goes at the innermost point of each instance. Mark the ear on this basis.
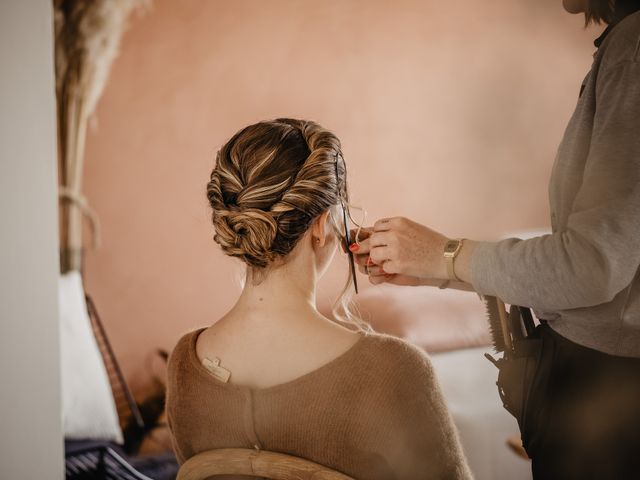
(319, 229)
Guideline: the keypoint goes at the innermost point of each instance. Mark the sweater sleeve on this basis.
(425, 440)
(597, 255)
(176, 450)
(173, 373)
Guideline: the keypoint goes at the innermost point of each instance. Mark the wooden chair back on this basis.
(255, 463)
(131, 421)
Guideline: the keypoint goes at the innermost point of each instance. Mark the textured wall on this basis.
(449, 112)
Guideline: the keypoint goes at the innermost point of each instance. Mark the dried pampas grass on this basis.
(88, 34)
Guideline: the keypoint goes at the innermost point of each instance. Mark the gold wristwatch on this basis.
(451, 250)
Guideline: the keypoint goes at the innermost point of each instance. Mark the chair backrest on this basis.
(255, 463)
(128, 411)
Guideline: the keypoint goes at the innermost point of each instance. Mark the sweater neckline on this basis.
(622, 14)
(195, 361)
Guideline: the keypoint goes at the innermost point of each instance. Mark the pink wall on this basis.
(449, 112)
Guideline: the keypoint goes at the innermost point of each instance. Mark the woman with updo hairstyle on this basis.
(275, 374)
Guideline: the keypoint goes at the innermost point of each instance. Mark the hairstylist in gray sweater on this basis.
(582, 280)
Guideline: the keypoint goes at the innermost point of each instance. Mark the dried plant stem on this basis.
(88, 34)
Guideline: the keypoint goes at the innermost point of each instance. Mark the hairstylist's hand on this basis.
(398, 250)
(375, 272)
(403, 247)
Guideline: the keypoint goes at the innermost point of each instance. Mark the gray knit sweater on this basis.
(583, 277)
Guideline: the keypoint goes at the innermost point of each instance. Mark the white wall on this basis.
(31, 445)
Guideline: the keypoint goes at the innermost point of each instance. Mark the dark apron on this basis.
(578, 409)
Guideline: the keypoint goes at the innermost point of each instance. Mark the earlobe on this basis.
(319, 229)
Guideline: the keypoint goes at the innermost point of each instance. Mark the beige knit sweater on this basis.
(374, 412)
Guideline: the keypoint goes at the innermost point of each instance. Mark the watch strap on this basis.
(450, 257)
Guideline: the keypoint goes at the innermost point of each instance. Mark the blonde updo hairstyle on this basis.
(270, 182)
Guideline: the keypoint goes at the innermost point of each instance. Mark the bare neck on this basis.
(290, 287)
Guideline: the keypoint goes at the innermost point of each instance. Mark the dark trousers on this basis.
(583, 414)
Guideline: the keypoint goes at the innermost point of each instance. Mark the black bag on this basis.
(522, 376)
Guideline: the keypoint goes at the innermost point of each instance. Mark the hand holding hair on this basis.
(399, 251)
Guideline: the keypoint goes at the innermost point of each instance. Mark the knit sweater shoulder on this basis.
(374, 412)
(584, 277)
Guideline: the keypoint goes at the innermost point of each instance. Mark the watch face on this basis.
(451, 246)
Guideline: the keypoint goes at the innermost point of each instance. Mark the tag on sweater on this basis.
(216, 370)
(207, 362)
